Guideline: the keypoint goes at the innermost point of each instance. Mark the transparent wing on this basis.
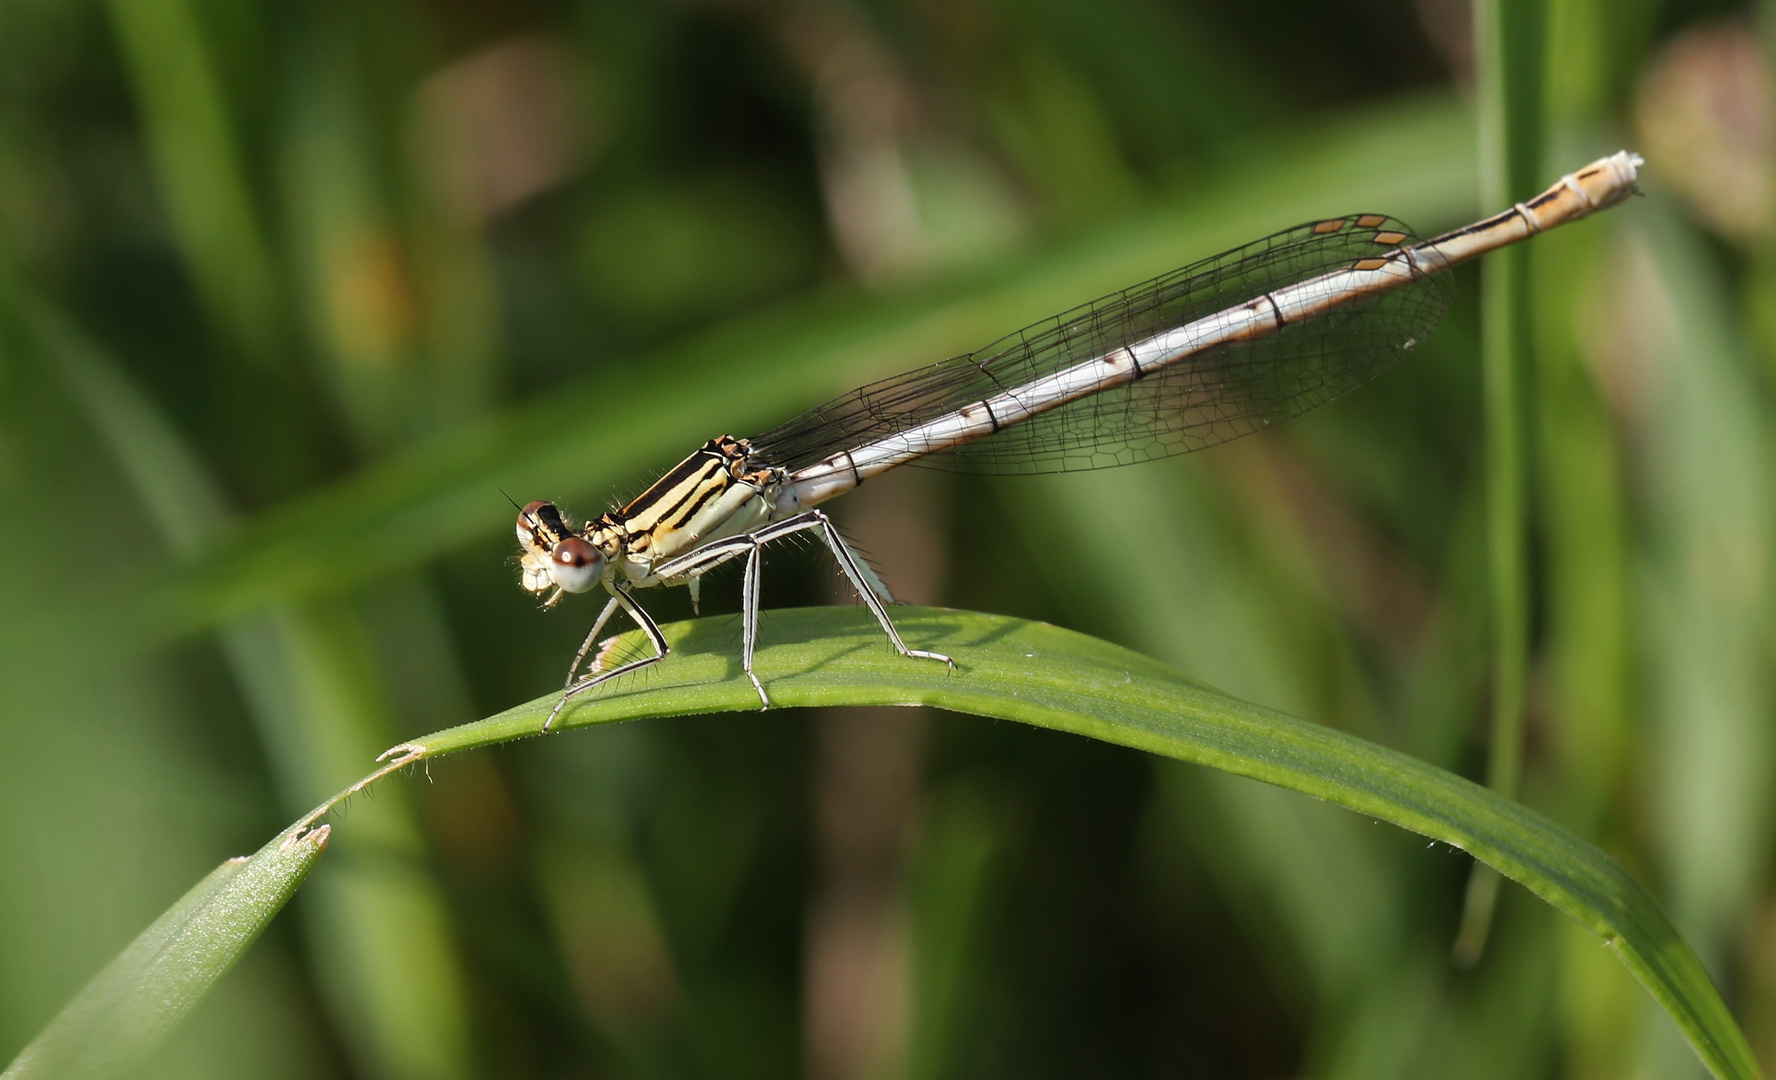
(1210, 398)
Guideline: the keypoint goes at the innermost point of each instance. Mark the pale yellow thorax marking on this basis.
(699, 501)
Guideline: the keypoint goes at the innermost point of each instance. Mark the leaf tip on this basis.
(402, 754)
(316, 838)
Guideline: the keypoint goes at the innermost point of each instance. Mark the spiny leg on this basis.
(749, 609)
(706, 558)
(591, 636)
(851, 565)
(696, 563)
(712, 555)
(619, 595)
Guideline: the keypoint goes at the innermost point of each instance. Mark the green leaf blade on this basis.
(124, 1012)
(1045, 676)
(1007, 669)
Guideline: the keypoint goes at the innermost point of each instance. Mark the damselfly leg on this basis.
(610, 608)
(619, 597)
(752, 545)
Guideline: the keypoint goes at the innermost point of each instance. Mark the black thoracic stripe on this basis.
(684, 470)
(675, 518)
(696, 483)
(700, 486)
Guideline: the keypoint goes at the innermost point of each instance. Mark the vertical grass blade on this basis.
(1510, 35)
(200, 168)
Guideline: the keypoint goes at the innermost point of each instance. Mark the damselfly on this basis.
(1205, 354)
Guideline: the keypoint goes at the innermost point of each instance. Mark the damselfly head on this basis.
(552, 555)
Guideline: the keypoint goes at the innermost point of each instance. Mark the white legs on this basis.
(707, 558)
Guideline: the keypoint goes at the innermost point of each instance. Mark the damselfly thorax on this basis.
(1216, 350)
(711, 495)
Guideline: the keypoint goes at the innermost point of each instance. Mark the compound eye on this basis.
(541, 523)
(575, 565)
(530, 522)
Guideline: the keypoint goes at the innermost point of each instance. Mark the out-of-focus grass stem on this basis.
(1511, 36)
(200, 170)
(380, 927)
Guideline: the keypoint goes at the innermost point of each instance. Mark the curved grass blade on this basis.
(1035, 674)
(1048, 677)
(124, 1012)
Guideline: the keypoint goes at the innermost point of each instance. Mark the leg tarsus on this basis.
(749, 618)
(850, 564)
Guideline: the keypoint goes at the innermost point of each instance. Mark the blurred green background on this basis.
(290, 293)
